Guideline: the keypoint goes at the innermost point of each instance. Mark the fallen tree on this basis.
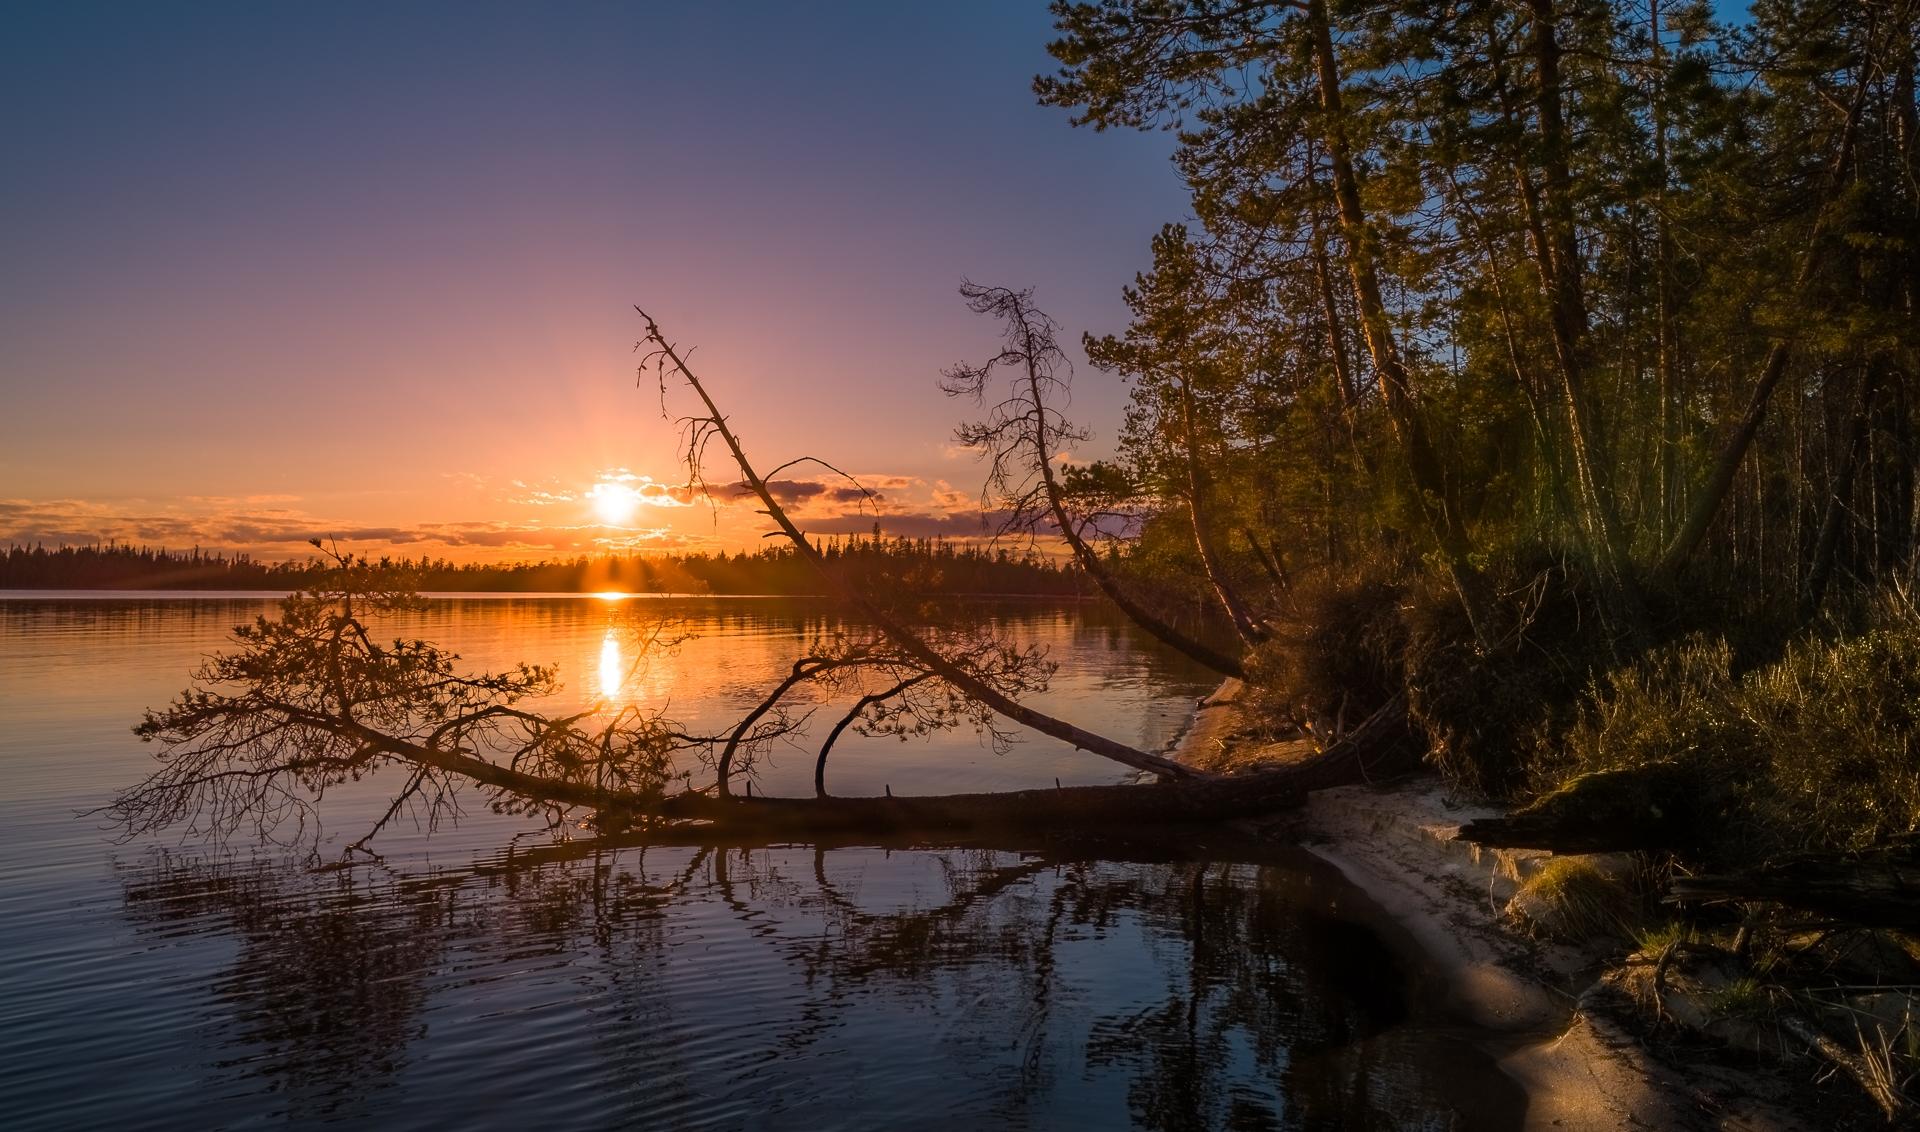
(1665, 805)
(1877, 888)
(666, 363)
(1021, 437)
(313, 699)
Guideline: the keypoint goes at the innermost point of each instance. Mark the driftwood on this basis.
(1880, 1086)
(1878, 888)
(1661, 806)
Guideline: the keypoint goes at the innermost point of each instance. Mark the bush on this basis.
(1572, 899)
(1345, 658)
(1487, 718)
(1387, 630)
(1817, 746)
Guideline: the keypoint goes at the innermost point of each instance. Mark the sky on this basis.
(367, 270)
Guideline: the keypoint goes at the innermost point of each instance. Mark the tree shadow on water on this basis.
(788, 985)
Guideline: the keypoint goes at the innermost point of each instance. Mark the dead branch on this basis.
(666, 360)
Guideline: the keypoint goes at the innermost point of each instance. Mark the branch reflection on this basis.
(730, 985)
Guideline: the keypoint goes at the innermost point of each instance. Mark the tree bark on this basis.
(847, 720)
(1666, 382)
(1878, 888)
(1557, 257)
(1839, 495)
(1379, 746)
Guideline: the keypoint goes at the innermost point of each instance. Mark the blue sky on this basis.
(291, 268)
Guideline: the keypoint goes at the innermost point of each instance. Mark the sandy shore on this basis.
(1396, 843)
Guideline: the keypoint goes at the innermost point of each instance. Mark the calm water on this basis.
(487, 975)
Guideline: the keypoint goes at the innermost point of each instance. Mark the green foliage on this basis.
(1817, 748)
(1653, 939)
(1571, 211)
(928, 565)
(313, 698)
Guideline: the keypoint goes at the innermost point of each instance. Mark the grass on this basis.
(1818, 747)
(1743, 997)
(1655, 938)
(1571, 899)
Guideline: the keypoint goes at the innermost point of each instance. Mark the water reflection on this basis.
(667, 986)
(726, 986)
(613, 671)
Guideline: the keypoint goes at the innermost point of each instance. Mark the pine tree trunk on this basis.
(1707, 501)
(1438, 503)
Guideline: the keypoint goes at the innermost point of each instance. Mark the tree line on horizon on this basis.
(930, 566)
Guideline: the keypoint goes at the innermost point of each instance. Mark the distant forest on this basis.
(931, 566)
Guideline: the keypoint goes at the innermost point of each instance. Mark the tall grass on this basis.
(1817, 748)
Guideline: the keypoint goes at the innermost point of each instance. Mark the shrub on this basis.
(1345, 658)
(1817, 746)
(1488, 717)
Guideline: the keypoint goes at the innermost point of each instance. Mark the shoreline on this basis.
(1442, 901)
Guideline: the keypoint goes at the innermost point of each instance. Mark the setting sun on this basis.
(613, 503)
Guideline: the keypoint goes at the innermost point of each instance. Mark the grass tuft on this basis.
(1573, 900)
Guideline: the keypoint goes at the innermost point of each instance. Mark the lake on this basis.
(494, 973)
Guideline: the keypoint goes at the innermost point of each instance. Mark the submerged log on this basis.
(1879, 888)
(1660, 806)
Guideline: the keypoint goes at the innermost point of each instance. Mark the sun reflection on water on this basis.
(614, 669)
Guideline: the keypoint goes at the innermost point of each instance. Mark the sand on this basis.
(1446, 898)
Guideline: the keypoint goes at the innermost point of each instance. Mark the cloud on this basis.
(556, 522)
(786, 492)
(280, 533)
(886, 482)
(544, 498)
(669, 495)
(948, 498)
(657, 538)
(237, 500)
(916, 524)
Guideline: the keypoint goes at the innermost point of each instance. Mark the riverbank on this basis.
(1581, 1065)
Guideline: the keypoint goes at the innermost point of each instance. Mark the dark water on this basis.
(490, 976)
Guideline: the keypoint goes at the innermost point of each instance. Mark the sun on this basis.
(613, 503)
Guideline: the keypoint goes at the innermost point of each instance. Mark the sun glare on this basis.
(613, 668)
(614, 503)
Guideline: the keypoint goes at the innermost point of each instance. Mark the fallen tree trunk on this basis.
(1662, 806)
(1879, 888)
(1380, 746)
(909, 642)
